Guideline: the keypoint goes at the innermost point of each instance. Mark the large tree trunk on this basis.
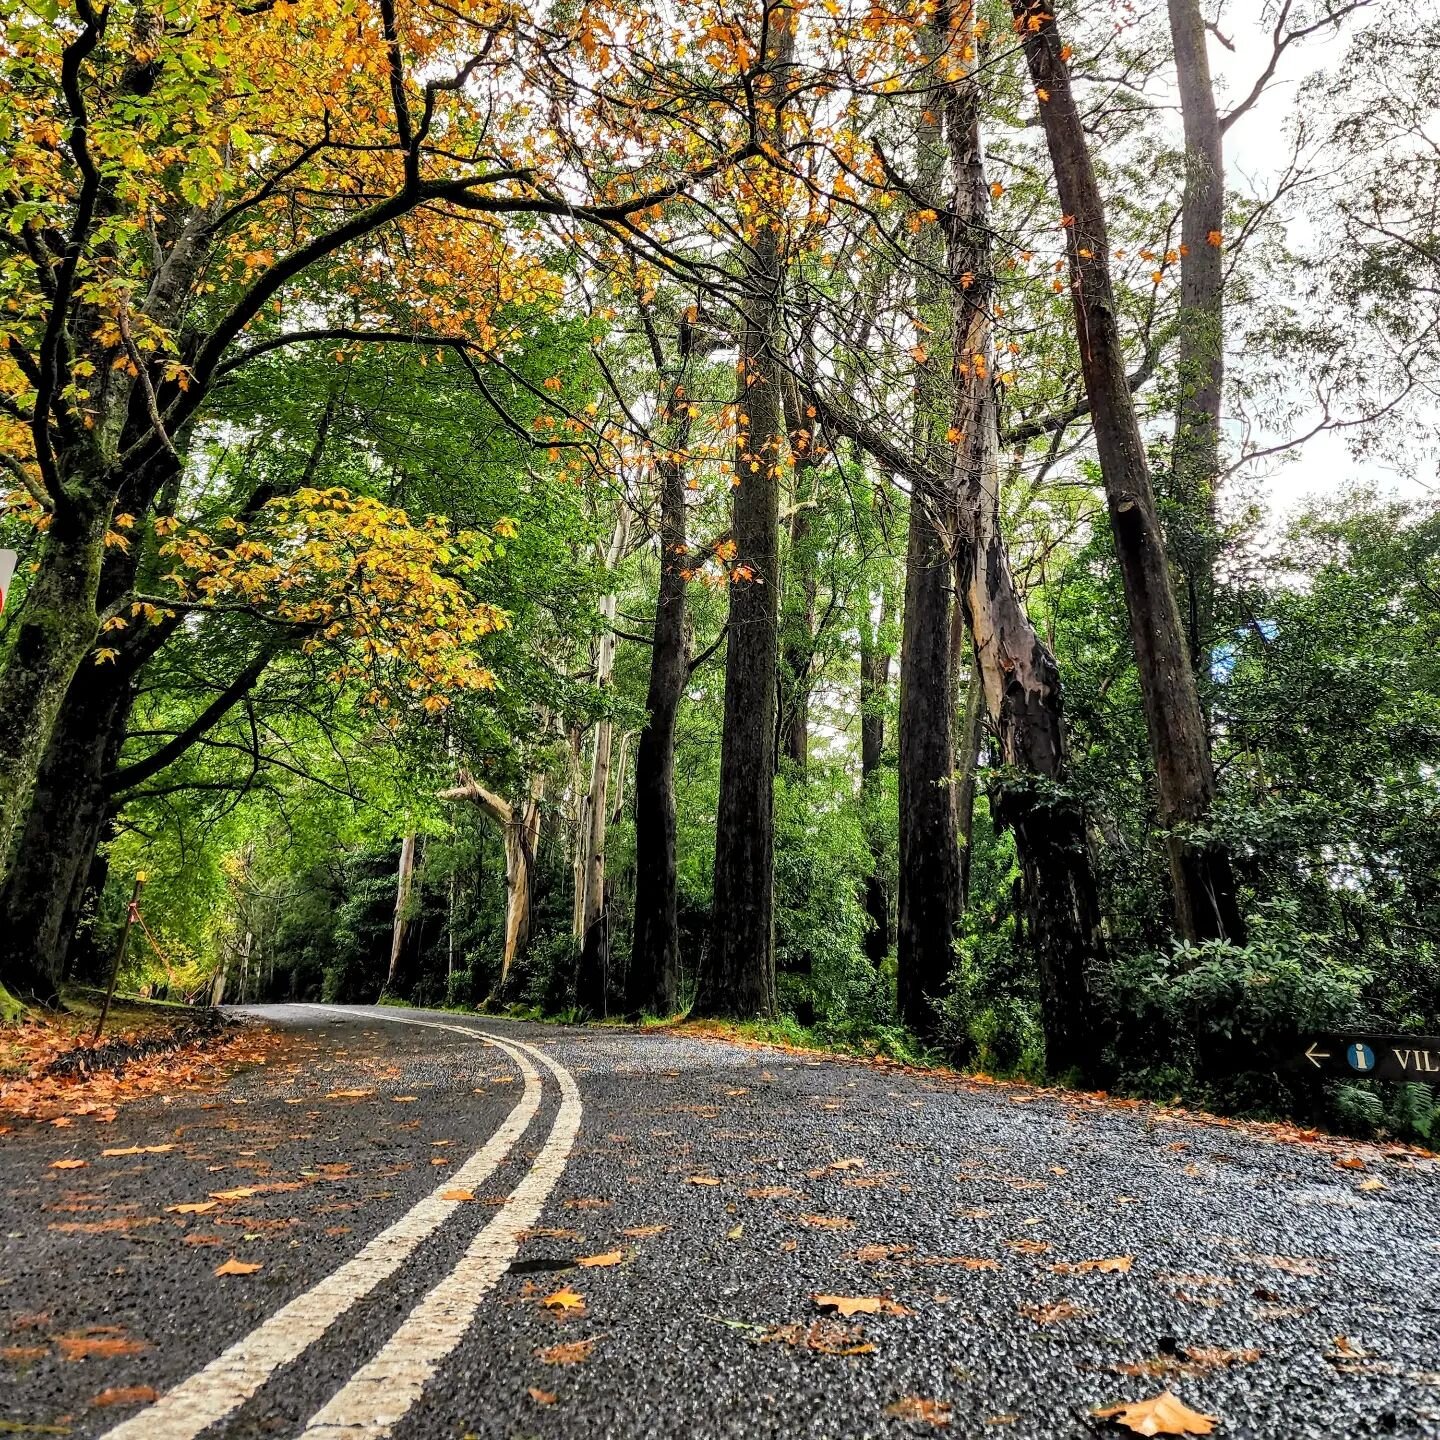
(797, 623)
(929, 899)
(1018, 673)
(592, 980)
(1195, 459)
(653, 982)
(54, 630)
(874, 697)
(1202, 879)
(738, 973)
(967, 768)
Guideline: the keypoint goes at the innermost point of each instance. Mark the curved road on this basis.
(411, 1199)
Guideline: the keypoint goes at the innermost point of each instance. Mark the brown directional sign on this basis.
(1374, 1057)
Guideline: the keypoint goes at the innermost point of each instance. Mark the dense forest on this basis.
(866, 518)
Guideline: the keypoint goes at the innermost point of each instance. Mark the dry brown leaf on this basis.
(542, 1397)
(825, 1337)
(198, 1207)
(68, 1164)
(457, 1194)
(571, 1353)
(826, 1222)
(404, 1099)
(770, 1192)
(1212, 1357)
(641, 1232)
(1373, 1183)
(1350, 1162)
(240, 1192)
(701, 1180)
(1162, 1414)
(236, 1267)
(921, 1411)
(127, 1395)
(564, 1300)
(348, 1094)
(1347, 1349)
(872, 1253)
(601, 1262)
(848, 1305)
(1028, 1247)
(1054, 1313)
(1112, 1265)
(139, 1150)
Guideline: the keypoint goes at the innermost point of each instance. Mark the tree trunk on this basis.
(592, 980)
(929, 899)
(404, 880)
(1202, 879)
(654, 979)
(967, 760)
(1195, 459)
(874, 697)
(797, 624)
(1019, 676)
(54, 630)
(738, 973)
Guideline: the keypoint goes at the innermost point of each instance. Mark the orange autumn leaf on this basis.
(921, 1411)
(127, 1395)
(1112, 1265)
(571, 1353)
(542, 1397)
(68, 1164)
(458, 1193)
(236, 1267)
(600, 1262)
(564, 1300)
(139, 1150)
(1162, 1414)
(848, 1305)
(641, 1232)
(199, 1207)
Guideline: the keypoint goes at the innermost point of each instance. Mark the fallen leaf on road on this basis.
(848, 1305)
(590, 1202)
(198, 1207)
(404, 1099)
(104, 1340)
(236, 1267)
(23, 1352)
(542, 1397)
(1290, 1264)
(457, 1194)
(68, 1164)
(569, 1354)
(770, 1192)
(1346, 1349)
(1028, 1247)
(1350, 1162)
(601, 1262)
(825, 1337)
(1054, 1313)
(853, 1162)
(826, 1222)
(641, 1232)
(872, 1253)
(701, 1180)
(564, 1300)
(1212, 1357)
(241, 1192)
(127, 1395)
(1113, 1265)
(1162, 1414)
(920, 1411)
(1373, 1183)
(139, 1150)
(348, 1094)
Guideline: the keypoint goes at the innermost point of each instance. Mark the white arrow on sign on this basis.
(1315, 1056)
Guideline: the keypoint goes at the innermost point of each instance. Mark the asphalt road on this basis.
(736, 1184)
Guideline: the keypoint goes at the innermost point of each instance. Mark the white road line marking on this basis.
(229, 1380)
(371, 1403)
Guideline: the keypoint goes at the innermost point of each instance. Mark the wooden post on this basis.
(132, 913)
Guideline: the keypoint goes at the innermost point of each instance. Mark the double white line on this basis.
(382, 1391)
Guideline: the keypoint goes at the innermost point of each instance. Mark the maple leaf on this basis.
(1162, 1414)
(921, 1411)
(600, 1262)
(571, 1353)
(236, 1267)
(564, 1301)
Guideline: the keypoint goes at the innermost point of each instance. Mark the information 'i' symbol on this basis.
(1361, 1057)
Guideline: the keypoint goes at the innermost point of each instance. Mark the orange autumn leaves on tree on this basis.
(390, 596)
